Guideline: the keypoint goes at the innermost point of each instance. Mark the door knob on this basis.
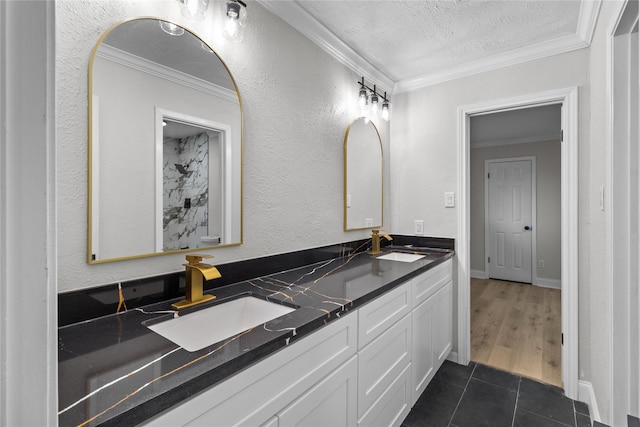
(526, 227)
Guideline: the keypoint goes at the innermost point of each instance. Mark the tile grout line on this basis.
(515, 407)
(462, 395)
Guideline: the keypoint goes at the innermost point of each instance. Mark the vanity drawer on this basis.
(380, 314)
(429, 282)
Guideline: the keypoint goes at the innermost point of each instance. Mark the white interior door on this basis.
(509, 245)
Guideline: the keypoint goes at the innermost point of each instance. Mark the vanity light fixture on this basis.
(194, 10)
(171, 29)
(370, 101)
(235, 18)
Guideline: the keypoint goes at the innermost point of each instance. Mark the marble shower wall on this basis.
(185, 191)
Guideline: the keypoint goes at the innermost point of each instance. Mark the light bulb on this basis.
(374, 104)
(194, 9)
(234, 20)
(362, 98)
(384, 113)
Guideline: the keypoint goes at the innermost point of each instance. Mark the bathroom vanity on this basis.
(363, 340)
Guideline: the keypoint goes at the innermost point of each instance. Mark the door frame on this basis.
(534, 226)
(568, 97)
(623, 385)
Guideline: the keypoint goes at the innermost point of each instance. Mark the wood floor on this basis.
(517, 328)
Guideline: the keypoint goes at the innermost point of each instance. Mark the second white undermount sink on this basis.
(401, 256)
(197, 330)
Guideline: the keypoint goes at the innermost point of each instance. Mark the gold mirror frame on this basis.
(349, 170)
(236, 186)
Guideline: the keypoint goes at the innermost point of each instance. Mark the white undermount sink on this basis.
(401, 256)
(197, 330)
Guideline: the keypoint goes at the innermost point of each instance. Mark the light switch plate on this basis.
(368, 222)
(449, 200)
(348, 200)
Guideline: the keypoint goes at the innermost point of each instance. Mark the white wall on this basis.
(297, 101)
(595, 313)
(548, 243)
(424, 149)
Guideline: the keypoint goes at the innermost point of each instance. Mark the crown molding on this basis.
(589, 11)
(135, 62)
(514, 57)
(297, 17)
(301, 20)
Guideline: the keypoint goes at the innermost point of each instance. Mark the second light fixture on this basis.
(372, 103)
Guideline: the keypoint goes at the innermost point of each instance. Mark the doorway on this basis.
(569, 221)
(515, 312)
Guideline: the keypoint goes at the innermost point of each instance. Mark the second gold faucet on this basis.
(375, 240)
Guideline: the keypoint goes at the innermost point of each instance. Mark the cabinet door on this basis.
(393, 406)
(422, 351)
(381, 362)
(331, 402)
(442, 326)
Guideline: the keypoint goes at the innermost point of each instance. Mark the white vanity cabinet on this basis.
(367, 368)
(262, 394)
(431, 325)
(384, 359)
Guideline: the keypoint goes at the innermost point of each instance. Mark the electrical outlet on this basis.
(368, 222)
(541, 263)
(418, 227)
(348, 200)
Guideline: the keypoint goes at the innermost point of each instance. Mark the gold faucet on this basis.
(375, 240)
(196, 272)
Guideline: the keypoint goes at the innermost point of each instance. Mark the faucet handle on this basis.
(194, 259)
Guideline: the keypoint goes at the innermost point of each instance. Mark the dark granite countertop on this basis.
(113, 370)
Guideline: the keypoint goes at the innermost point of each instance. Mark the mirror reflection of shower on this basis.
(192, 187)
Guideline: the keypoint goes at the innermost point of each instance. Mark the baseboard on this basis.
(453, 357)
(588, 396)
(548, 283)
(479, 274)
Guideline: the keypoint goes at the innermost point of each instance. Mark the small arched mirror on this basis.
(165, 144)
(363, 176)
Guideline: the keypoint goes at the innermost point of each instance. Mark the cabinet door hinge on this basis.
(489, 260)
(562, 338)
(488, 175)
(562, 135)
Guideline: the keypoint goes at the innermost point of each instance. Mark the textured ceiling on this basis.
(403, 45)
(406, 39)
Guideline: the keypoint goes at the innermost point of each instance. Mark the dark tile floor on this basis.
(477, 395)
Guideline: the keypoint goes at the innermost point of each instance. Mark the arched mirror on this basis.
(363, 176)
(165, 144)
